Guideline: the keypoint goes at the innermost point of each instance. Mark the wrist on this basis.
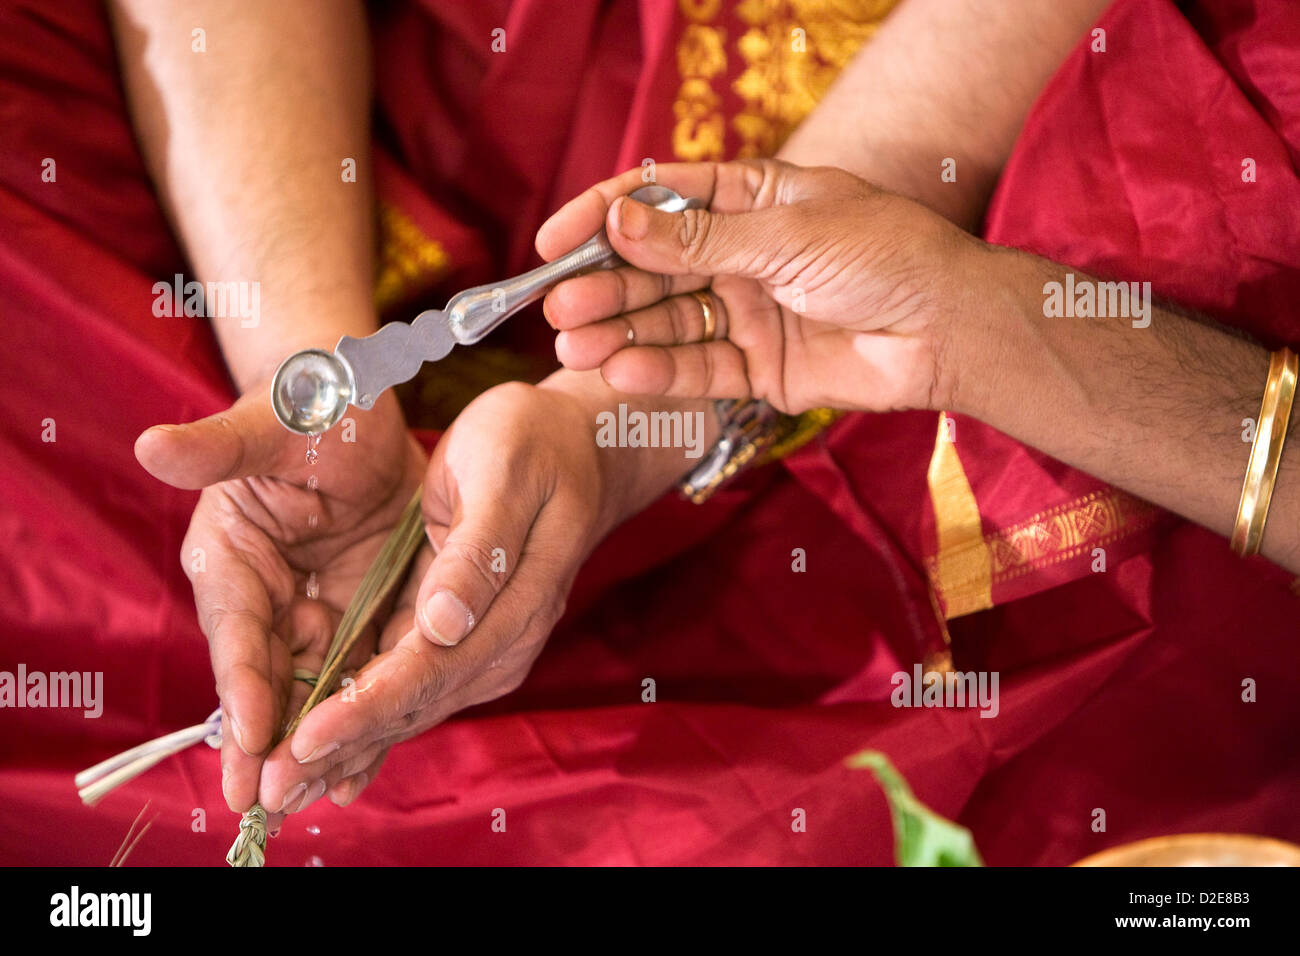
(253, 353)
(632, 472)
(981, 343)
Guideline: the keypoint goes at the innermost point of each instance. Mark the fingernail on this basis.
(315, 793)
(633, 218)
(292, 798)
(324, 750)
(445, 618)
(274, 832)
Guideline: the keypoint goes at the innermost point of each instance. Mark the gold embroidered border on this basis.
(1047, 538)
(1068, 530)
(961, 572)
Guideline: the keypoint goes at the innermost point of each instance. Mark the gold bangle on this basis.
(1265, 452)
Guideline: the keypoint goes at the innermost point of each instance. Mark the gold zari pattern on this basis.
(408, 259)
(1047, 538)
(792, 51)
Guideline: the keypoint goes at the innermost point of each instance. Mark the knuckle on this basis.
(665, 284)
(510, 393)
(513, 681)
(227, 424)
(187, 565)
(216, 619)
(506, 402)
(621, 290)
(677, 320)
(542, 621)
(478, 554)
(694, 237)
(430, 683)
(558, 607)
(707, 368)
(504, 676)
(407, 723)
(353, 765)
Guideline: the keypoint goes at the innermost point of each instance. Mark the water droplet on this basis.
(313, 586)
(311, 520)
(312, 454)
(315, 861)
(314, 830)
(313, 483)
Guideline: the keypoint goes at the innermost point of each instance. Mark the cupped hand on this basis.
(513, 503)
(256, 537)
(826, 289)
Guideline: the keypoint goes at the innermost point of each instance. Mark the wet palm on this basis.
(259, 537)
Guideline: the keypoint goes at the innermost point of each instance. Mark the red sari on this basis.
(1119, 690)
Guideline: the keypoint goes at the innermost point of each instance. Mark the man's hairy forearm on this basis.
(942, 79)
(246, 142)
(1158, 411)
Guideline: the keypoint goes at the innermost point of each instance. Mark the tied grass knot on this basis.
(249, 848)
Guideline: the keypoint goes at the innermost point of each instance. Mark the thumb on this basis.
(694, 242)
(244, 440)
(474, 562)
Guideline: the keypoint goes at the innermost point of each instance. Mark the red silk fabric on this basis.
(1119, 691)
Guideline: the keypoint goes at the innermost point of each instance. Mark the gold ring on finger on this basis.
(710, 316)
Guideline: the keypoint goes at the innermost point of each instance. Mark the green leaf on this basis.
(921, 836)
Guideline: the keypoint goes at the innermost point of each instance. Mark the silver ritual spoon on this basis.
(313, 388)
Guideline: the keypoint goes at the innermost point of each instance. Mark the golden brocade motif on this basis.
(699, 129)
(1059, 534)
(409, 261)
(1067, 531)
(792, 51)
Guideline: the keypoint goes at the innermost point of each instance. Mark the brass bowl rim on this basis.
(1248, 843)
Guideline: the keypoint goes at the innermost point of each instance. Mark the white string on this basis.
(97, 781)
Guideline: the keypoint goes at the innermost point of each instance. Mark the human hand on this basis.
(253, 544)
(514, 501)
(827, 290)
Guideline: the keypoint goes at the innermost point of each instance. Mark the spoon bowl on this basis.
(310, 391)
